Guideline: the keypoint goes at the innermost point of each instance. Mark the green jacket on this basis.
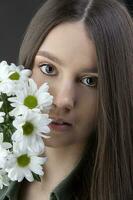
(63, 191)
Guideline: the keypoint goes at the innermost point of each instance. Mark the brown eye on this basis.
(90, 81)
(47, 69)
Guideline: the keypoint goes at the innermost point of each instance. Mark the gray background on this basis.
(14, 18)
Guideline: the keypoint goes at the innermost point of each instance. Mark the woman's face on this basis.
(67, 61)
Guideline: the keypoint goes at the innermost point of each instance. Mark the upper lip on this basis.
(59, 120)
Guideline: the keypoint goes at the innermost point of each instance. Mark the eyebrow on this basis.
(49, 56)
(57, 60)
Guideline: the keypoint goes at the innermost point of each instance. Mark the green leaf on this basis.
(36, 177)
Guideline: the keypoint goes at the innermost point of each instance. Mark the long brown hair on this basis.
(108, 173)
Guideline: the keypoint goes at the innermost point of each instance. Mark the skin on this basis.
(70, 44)
(73, 99)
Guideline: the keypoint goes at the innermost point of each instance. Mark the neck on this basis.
(61, 161)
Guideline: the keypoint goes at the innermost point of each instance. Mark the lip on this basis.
(60, 127)
(54, 125)
(60, 119)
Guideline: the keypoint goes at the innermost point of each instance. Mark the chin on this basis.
(57, 142)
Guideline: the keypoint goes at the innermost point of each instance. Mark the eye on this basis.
(47, 69)
(89, 81)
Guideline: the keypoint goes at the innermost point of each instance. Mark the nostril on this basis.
(63, 105)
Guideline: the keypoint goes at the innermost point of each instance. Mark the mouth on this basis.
(60, 126)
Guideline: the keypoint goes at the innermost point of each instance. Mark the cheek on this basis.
(88, 104)
(87, 116)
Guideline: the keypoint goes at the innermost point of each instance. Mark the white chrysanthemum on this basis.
(31, 98)
(4, 180)
(22, 164)
(2, 114)
(4, 71)
(13, 78)
(29, 128)
(4, 146)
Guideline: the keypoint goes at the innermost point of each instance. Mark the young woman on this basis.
(84, 50)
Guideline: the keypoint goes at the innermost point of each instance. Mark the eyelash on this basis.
(94, 78)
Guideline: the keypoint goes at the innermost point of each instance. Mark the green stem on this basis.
(6, 127)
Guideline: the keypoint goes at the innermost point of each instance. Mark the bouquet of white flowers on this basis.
(23, 124)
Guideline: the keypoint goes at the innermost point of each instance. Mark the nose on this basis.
(64, 97)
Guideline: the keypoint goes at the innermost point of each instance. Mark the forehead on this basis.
(70, 42)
